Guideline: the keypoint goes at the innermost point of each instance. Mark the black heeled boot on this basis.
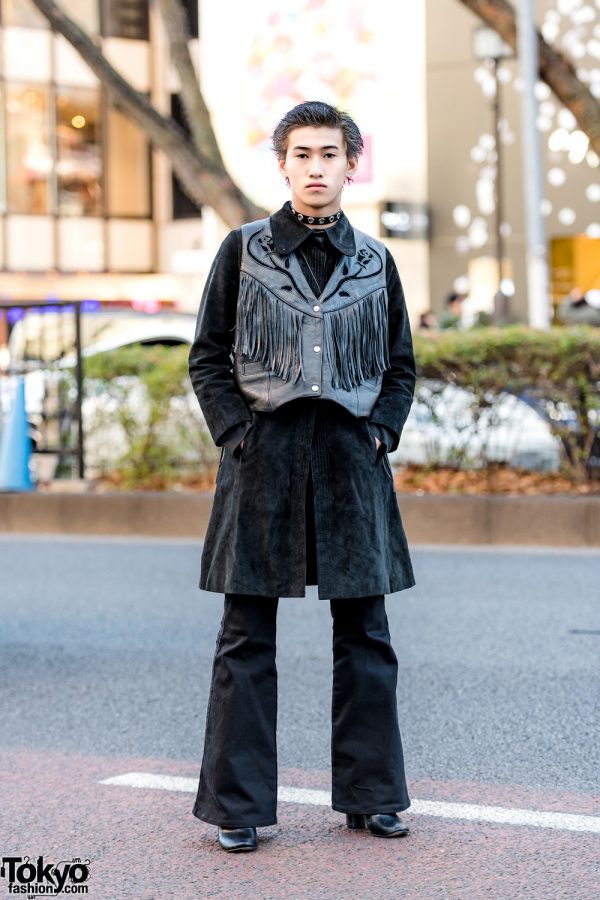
(238, 840)
(379, 824)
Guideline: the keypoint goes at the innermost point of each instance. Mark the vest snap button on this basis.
(315, 387)
(316, 308)
(316, 348)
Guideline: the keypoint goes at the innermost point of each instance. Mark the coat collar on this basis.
(289, 233)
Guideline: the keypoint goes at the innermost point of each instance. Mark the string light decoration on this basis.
(573, 27)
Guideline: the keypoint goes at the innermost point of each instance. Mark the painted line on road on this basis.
(304, 796)
(158, 782)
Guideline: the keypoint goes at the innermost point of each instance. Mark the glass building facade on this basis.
(76, 173)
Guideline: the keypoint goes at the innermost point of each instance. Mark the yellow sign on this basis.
(575, 263)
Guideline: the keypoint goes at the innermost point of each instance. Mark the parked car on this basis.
(446, 427)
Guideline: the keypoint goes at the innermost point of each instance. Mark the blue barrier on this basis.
(15, 446)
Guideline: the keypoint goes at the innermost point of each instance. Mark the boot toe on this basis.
(386, 825)
(238, 840)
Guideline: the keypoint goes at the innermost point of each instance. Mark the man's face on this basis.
(317, 167)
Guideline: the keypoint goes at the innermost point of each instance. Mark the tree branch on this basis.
(195, 109)
(554, 68)
(204, 179)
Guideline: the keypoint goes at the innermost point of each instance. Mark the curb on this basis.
(428, 519)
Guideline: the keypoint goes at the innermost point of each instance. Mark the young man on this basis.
(304, 370)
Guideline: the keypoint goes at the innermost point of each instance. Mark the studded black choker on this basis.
(316, 220)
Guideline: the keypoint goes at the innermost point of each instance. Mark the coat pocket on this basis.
(387, 466)
(241, 451)
(220, 460)
(381, 453)
(376, 449)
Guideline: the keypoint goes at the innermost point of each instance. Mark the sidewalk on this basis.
(531, 521)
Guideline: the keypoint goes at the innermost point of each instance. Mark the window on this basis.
(125, 19)
(83, 12)
(28, 152)
(22, 13)
(183, 207)
(79, 153)
(68, 175)
(127, 167)
(191, 11)
(2, 168)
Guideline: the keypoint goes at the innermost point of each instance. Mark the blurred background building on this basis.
(462, 158)
(88, 210)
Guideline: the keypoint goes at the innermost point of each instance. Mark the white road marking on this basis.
(305, 796)
(159, 782)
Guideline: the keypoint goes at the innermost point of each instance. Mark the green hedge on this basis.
(560, 367)
(166, 439)
(170, 440)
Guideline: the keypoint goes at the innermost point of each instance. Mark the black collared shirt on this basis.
(289, 232)
(318, 249)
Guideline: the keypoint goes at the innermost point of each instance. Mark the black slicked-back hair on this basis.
(319, 115)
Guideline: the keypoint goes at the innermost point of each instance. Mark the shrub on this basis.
(558, 370)
(143, 423)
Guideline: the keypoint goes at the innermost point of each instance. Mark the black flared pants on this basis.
(238, 776)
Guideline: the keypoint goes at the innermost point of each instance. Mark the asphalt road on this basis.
(106, 648)
(496, 682)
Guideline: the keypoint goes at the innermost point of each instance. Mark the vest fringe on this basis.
(268, 330)
(356, 338)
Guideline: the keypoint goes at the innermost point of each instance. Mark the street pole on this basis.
(79, 398)
(489, 46)
(538, 299)
(501, 312)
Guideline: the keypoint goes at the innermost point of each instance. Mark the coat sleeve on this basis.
(398, 386)
(210, 359)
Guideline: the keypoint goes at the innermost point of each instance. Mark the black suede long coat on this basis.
(309, 498)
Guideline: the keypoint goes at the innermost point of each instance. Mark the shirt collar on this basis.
(289, 232)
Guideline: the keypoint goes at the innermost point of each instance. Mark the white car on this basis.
(446, 427)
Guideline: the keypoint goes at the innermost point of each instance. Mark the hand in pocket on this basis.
(375, 438)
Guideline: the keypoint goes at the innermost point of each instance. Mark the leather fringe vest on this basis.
(290, 343)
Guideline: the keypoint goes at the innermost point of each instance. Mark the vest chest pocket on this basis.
(254, 381)
(252, 368)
